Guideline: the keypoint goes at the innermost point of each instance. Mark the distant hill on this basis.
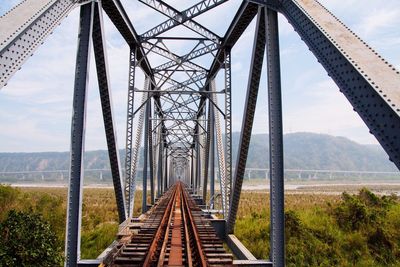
(302, 151)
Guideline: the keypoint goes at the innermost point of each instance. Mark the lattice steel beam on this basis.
(185, 17)
(247, 11)
(74, 209)
(129, 124)
(155, 48)
(185, 84)
(106, 104)
(151, 152)
(368, 81)
(178, 18)
(130, 185)
(228, 122)
(221, 155)
(248, 116)
(207, 153)
(120, 19)
(24, 28)
(206, 49)
(145, 155)
(277, 202)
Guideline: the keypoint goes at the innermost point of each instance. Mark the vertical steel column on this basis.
(207, 153)
(198, 165)
(171, 172)
(145, 155)
(228, 122)
(166, 169)
(221, 154)
(160, 164)
(131, 185)
(248, 116)
(212, 156)
(74, 211)
(129, 128)
(192, 168)
(275, 141)
(151, 159)
(106, 104)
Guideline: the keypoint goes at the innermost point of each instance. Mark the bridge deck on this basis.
(174, 233)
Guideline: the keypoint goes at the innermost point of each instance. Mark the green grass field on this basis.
(321, 230)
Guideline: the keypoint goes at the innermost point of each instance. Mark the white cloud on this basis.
(379, 19)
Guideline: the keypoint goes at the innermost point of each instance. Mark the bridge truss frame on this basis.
(180, 119)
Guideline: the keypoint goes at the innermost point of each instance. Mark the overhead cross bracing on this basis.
(184, 115)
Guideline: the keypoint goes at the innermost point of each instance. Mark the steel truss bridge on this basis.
(183, 114)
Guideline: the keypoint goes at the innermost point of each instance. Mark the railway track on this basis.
(174, 234)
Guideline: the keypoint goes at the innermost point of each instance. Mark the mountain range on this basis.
(302, 151)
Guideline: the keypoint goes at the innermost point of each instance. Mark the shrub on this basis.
(362, 210)
(26, 240)
(8, 199)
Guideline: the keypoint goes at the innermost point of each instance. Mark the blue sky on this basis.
(35, 106)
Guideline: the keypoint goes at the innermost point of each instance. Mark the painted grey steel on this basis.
(277, 225)
(166, 170)
(179, 90)
(185, 17)
(120, 19)
(212, 157)
(160, 165)
(238, 249)
(130, 185)
(192, 167)
(228, 122)
(129, 127)
(145, 157)
(74, 209)
(106, 104)
(207, 154)
(243, 17)
(221, 155)
(248, 116)
(24, 28)
(368, 81)
(198, 165)
(151, 154)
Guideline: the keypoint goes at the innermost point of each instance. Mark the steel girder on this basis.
(247, 11)
(106, 104)
(248, 116)
(130, 185)
(155, 48)
(151, 150)
(277, 225)
(221, 155)
(207, 152)
(166, 169)
(120, 19)
(211, 132)
(160, 162)
(24, 28)
(206, 49)
(182, 18)
(368, 81)
(74, 210)
(129, 127)
(228, 122)
(145, 155)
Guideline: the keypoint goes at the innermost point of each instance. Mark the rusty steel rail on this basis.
(174, 233)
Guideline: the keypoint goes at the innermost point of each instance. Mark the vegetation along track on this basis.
(174, 234)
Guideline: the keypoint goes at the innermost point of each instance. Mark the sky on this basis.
(35, 106)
